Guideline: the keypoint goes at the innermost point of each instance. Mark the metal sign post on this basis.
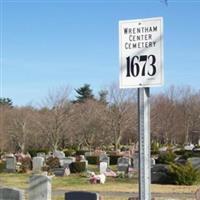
(144, 143)
(141, 66)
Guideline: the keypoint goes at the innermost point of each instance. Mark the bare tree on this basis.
(122, 113)
(20, 127)
(89, 124)
(55, 116)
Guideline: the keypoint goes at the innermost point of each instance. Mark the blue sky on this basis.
(47, 44)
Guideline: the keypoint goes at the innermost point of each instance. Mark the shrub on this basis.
(33, 152)
(2, 166)
(69, 152)
(81, 152)
(93, 160)
(113, 159)
(184, 174)
(77, 167)
(166, 157)
(53, 162)
(26, 164)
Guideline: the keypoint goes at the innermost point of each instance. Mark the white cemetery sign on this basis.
(141, 52)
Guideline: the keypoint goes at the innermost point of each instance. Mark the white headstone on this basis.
(103, 167)
(104, 158)
(38, 163)
(59, 154)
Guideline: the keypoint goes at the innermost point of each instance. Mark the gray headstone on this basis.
(11, 194)
(40, 187)
(82, 196)
(59, 171)
(104, 158)
(38, 163)
(11, 163)
(195, 161)
(123, 164)
(159, 174)
(136, 162)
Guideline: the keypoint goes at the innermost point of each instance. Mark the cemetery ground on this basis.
(113, 189)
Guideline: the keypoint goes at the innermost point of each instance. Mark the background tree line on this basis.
(107, 120)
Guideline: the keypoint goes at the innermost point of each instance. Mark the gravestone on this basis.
(79, 195)
(38, 163)
(159, 174)
(195, 161)
(123, 164)
(104, 158)
(59, 154)
(66, 161)
(10, 163)
(136, 162)
(103, 167)
(59, 171)
(40, 187)
(11, 194)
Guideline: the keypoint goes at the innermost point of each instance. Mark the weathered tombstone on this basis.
(103, 167)
(59, 171)
(104, 158)
(40, 187)
(59, 154)
(123, 164)
(136, 162)
(82, 195)
(159, 174)
(195, 161)
(10, 163)
(11, 194)
(38, 163)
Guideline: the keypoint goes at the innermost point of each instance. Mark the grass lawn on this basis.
(80, 182)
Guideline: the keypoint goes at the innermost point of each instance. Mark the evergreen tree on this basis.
(84, 93)
(6, 102)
